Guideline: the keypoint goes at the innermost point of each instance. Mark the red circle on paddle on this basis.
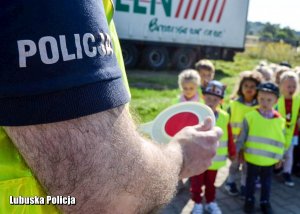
(179, 121)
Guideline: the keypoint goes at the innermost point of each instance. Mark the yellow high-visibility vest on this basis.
(265, 143)
(201, 96)
(290, 126)
(238, 111)
(16, 178)
(222, 151)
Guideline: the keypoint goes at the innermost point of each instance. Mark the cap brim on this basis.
(213, 94)
(268, 90)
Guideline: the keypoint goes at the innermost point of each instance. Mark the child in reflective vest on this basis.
(261, 144)
(189, 82)
(244, 102)
(213, 96)
(296, 158)
(288, 106)
(206, 70)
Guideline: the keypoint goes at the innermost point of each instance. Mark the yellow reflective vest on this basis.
(201, 96)
(16, 179)
(290, 126)
(220, 159)
(238, 111)
(265, 143)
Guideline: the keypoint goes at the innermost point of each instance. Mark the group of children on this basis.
(260, 129)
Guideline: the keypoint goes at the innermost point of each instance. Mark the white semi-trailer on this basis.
(178, 32)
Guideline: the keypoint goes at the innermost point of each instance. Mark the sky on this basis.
(283, 12)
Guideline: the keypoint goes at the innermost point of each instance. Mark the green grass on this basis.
(147, 103)
(242, 62)
(160, 80)
(153, 91)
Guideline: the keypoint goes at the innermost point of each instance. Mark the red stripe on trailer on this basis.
(179, 8)
(188, 9)
(197, 9)
(221, 11)
(213, 10)
(205, 9)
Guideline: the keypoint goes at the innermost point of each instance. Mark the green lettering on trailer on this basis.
(167, 4)
(138, 9)
(152, 10)
(121, 6)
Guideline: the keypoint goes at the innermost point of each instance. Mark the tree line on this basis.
(273, 32)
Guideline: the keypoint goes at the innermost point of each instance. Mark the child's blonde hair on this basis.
(289, 75)
(279, 71)
(266, 72)
(297, 71)
(188, 75)
(205, 64)
(254, 76)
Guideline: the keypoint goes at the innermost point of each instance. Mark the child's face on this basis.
(189, 89)
(288, 88)
(249, 89)
(212, 101)
(206, 76)
(266, 100)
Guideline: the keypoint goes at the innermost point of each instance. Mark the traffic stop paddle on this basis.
(173, 119)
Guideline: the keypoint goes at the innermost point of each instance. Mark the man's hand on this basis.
(103, 162)
(199, 144)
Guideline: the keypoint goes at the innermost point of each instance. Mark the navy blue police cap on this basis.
(216, 88)
(268, 87)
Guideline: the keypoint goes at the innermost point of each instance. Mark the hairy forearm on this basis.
(102, 161)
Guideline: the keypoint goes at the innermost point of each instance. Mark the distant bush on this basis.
(273, 52)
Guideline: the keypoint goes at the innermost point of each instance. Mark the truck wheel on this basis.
(130, 55)
(184, 58)
(156, 58)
